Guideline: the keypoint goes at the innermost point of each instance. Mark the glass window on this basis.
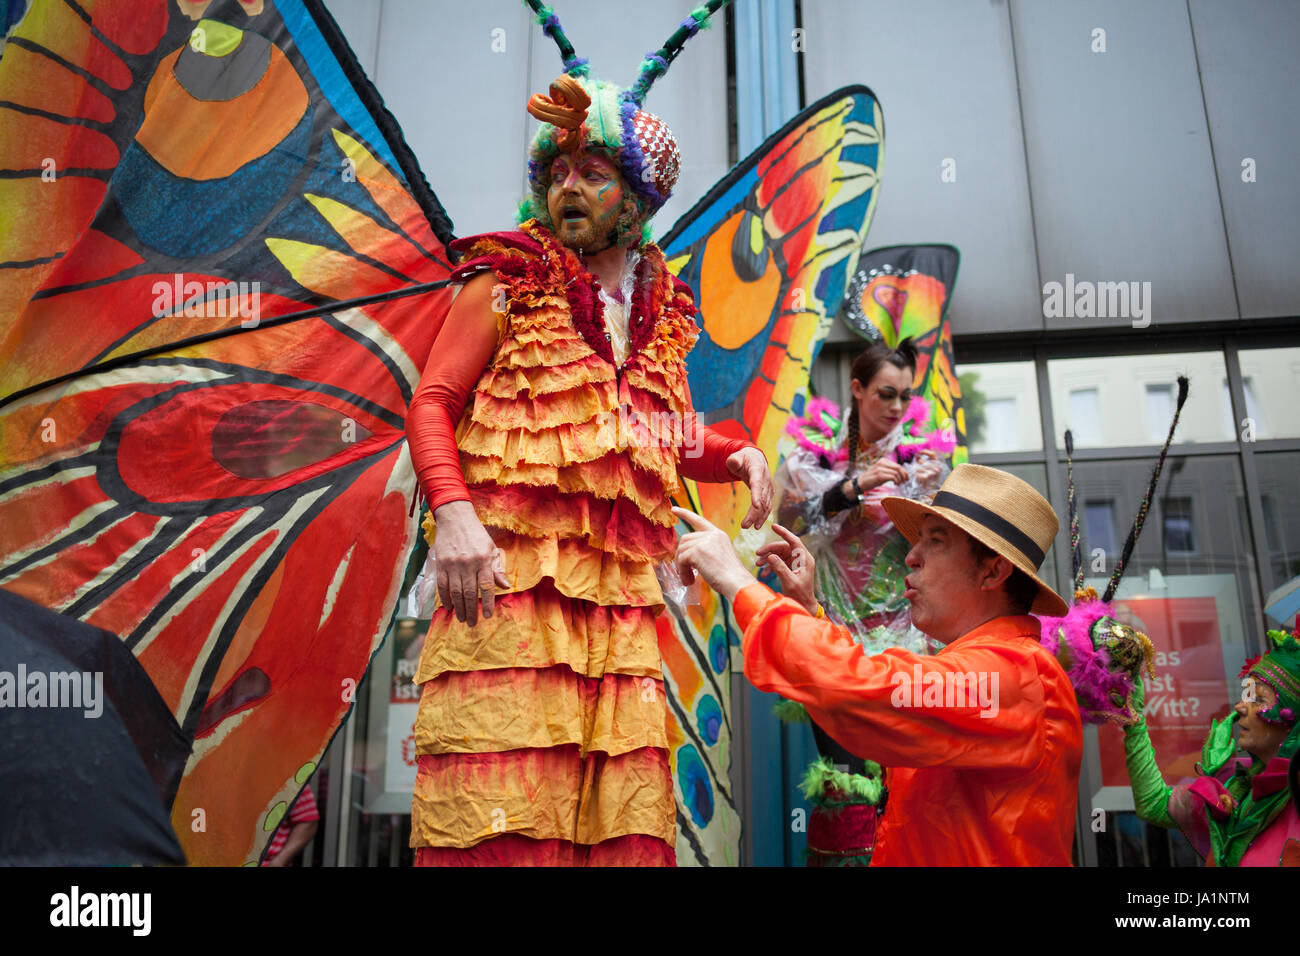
(1000, 407)
(1253, 411)
(1271, 379)
(1135, 396)
(1000, 422)
(1099, 526)
(1279, 486)
(1179, 538)
(1190, 586)
(1085, 416)
(1160, 410)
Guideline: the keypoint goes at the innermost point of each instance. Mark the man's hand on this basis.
(708, 551)
(470, 564)
(794, 565)
(750, 466)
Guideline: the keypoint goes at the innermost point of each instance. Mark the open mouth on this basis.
(573, 214)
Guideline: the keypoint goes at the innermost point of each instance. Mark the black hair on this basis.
(865, 367)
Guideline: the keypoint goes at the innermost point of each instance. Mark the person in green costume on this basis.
(1241, 810)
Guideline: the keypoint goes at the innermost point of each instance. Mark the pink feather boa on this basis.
(1089, 668)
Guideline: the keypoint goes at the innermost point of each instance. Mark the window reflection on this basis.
(1001, 407)
(1271, 378)
(1123, 401)
(1279, 486)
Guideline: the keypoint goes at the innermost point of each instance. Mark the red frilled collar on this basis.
(534, 248)
(1270, 779)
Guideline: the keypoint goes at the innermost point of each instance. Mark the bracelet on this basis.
(857, 488)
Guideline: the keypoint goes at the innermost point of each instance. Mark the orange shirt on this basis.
(982, 740)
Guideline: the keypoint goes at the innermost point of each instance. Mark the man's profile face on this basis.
(585, 199)
(943, 579)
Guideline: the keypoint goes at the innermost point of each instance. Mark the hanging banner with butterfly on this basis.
(903, 292)
(767, 252)
(221, 272)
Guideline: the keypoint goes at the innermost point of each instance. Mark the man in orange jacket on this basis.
(983, 739)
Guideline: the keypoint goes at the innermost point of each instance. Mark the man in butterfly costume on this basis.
(548, 433)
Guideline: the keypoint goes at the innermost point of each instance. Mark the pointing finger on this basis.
(697, 522)
(790, 537)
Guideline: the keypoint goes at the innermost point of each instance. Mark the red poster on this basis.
(1189, 690)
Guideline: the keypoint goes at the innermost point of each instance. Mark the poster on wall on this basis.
(403, 701)
(1195, 626)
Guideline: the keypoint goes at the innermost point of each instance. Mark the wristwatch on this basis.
(857, 489)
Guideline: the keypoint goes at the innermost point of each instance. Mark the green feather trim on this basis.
(791, 712)
(525, 211)
(822, 773)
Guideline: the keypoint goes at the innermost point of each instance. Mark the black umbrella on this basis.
(90, 754)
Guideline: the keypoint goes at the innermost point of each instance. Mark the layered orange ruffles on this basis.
(462, 800)
(541, 628)
(548, 721)
(512, 850)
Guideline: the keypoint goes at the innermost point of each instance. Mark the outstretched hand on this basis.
(707, 551)
(470, 565)
(750, 466)
(793, 564)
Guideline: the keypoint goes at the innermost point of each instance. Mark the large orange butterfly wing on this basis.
(768, 253)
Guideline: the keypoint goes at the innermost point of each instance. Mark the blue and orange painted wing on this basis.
(201, 448)
(768, 253)
(903, 292)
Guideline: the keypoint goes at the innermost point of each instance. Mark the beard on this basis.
(585, 236)
(590, 234)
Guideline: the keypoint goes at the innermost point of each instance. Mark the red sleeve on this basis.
(459, 355)
(705, 452)
(880, 706)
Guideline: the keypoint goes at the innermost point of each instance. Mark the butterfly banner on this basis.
(903, 292)
(768, 253)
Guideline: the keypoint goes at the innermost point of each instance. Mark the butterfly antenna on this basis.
(656, 64)
(1076, 545)
(574, 65)
(1141, 518)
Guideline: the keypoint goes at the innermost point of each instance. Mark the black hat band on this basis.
(994, 522)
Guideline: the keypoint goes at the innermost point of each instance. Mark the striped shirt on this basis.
(303, 811)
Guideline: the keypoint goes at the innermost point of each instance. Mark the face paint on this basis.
(585, 200)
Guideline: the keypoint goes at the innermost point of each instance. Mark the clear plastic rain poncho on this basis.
(859, 553)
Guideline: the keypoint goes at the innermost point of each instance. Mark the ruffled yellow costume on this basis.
(541, 731)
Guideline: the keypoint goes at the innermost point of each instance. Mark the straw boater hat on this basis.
(997, 509)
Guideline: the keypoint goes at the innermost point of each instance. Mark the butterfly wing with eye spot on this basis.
(768, 253)
(226, 489)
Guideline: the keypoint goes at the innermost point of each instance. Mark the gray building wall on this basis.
(458, 75)
(1114, 163)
